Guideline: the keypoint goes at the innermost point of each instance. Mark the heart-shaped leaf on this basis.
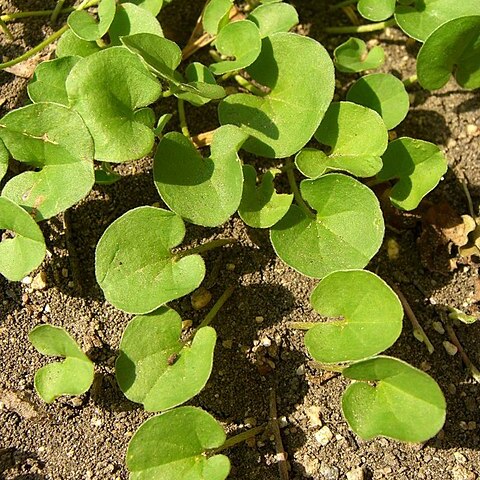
(240, 40)
(422, 17)
(55, 140)
(216, 15)
(131, 19)
(4, 157)
(158, 370)
(107, 89)
(418, 166)
(352, 56)
(48, 83)
(173, 446)
(25, 251)
(153, 6)
(282, 122)
(134, 263)
(73, 376)
(376, 10)
(201, 78)
(273, 18)
(69, 45)
(204, 191)
(262, 206)
(84, 26)
(383, 93)
(343, 129)
(371, 317)
(453, 48)
(404, 403)
(345, 233)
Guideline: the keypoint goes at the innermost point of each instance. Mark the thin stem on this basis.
(464, 183)
(329, 367)
(57, 10)
(36, 49)
(418, 331)
(219, 242)
(5, 29)
(296, 192)
(215, 309)
(345, 3)
(249, 86)
(281, 455)
(239, 438)
(9, 17)
(301, 325)
(410, 80)
(183, 118)
(370, 27)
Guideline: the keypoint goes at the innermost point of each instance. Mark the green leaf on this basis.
(25, 251)
(352, 150)
(54, 140)
(453, 48)
(153, 6)
(422, 17)
(84, 26)
(345, 233)
(273, 18)
(371, 317)
(383, 93)
(201, 78)
(73, 376)
(131, 19)
(105, 175)
(48, 83)
(418, 166)
(262, 206)
(216, 15)
(69, 45)
(134, 264)
(352, 56)
(4, 157)
(282, 122)
(107, 89)
(204, 191)
(404, 404)
(158, 370)
(172, 446)
(376, 10)
(240, 40)
(162, 123)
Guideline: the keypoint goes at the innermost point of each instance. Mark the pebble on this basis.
(200, 298)
(40, 281)
(473, 130)
(356, 474)
(227, 344)
(450, 348)
(300, 370)
(96, 422)
(461, 473)
(313, 415)
(186, 324)
(324, 435)
(459, 457)
(259, 319)
(329, 473)
(265, 342)
(27, 280)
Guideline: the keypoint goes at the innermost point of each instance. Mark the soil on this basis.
(87, 437)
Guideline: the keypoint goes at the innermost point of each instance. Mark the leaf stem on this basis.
(296, 192)
(370, 27)
(203, 139)
(345, 3)
(244, 83)
(5, 29)
(410, 81)
(57, 10)
(301, 325)
(9, 17)
(215, 309)
(239, 438)
(219, 242)
(183, 118)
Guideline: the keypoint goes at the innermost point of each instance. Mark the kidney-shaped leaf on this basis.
(55, 140)
(418, 166)
(25, 252)
(422, 17)
(107, 89)
(134, 263)
(376, 10)
(48, 83)
(153, 6)
(261, 206)
(454, 47)
(70, 45)
(357, 137)
(282, 122)
(157, 369)
(371, 317)
(86, 27)
(172, 446)
(383, 93)
(73, 376)
(273, 18)
(240, 40)
(216, 15)
(4, 157)
(345, 233)
(405, 403)
(204, 191)
(352, 56)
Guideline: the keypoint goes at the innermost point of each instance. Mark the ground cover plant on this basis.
(93, 106)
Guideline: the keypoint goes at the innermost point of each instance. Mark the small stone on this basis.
(40, 281)
(472, 425)
(300, 370)
(425, 366)
(186, 324)
(452, 388)
(451, 143)
(259, 319)
(463, 425)
(27, 280)
(76, 402)
(200, 298)
(96, 422)
(265, 342)
(250, 422)
(438, 327)
(227, 344)
(459, 457)
(329, 473)
(313, 415)
(356, 474)
(47, 308)
(230, 267)
(324, 436)
(450, 348)
(393, 249)
(282, 422)
(472, 130)
(461, 473)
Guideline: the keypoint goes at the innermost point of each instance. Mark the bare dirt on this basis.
(87, 437)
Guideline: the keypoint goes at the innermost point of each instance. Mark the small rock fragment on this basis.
(324, 435)
(259, 319)
(40, 281)
(186, 324)
(329, 473)
(459, 457)
(227, 344)
(461, 473)
(393, 249)
(450, 348)
(27, 280)
(200, 298)
(356, 474)
(473, 130)
(300, 370)
(313, 415)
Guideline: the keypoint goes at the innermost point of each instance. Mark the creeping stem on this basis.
(219, 242)
(296, 192)
(239, 438)
(370, 27)
(183, 118)
(57, 10)
(218, 305)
